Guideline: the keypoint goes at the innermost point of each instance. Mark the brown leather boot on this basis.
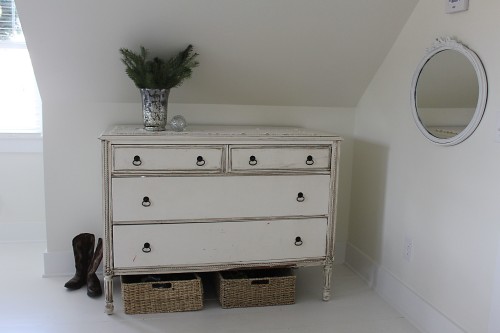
(93, 284)
(83, 250)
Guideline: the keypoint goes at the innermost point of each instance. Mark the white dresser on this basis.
(215, 198)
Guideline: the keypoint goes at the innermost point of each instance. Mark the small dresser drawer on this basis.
(156, 245)
(167, 158)
(192, 197)
(245, 158)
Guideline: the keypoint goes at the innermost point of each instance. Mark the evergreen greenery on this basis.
(158, 73)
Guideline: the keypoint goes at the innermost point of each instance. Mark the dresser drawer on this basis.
(244, 158)
(167, 158)
(172, 198)
(218, 242)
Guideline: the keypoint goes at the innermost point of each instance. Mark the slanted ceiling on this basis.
(255, 52)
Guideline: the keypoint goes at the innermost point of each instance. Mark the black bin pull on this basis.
(166, 285)
(262, 281)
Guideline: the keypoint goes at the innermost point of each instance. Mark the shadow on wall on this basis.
(367, 203)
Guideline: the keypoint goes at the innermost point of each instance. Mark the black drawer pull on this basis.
(309, 160)
(298, 241)
(300, 197)
(252, 161)
(146, 248)
(146, 202)
(137, 160)
(200, 161)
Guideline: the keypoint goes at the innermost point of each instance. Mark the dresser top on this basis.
(216, 131)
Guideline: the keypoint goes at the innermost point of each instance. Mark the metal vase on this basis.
(154, 108)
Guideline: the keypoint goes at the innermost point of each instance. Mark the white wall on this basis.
(445, 199)
(73, 168)
(259, 52)
(22, 206)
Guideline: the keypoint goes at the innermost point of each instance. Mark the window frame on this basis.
(17, 141)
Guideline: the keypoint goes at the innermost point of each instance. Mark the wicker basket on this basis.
(255, 288)
(161, 293)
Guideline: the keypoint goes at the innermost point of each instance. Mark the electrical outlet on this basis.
(454, 6)
(408, 249)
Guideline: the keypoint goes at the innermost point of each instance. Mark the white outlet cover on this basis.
(408, 249)
(454, 6)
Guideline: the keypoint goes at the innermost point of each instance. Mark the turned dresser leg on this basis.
(108, 293)
(327, 270)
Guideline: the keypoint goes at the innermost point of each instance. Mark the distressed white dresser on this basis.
(215, 198)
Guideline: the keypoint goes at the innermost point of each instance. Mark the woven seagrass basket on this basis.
(248, 288)
(161, 293)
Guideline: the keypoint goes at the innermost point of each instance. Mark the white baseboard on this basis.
(494, 325)
(416, 309)
(22, 232)
(62, 263)
(58, 264)
(363, 265)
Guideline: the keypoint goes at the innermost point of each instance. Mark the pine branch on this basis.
(135, 66)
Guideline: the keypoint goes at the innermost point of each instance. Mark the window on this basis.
(20, 102)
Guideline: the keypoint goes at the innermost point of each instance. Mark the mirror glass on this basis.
(449, 93)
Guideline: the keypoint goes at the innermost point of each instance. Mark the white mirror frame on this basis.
(448, 43)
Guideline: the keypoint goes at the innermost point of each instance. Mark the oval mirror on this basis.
(448, 93)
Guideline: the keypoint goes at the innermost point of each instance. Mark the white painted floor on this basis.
(30, 303)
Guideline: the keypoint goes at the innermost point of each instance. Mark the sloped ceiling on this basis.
(256, 52)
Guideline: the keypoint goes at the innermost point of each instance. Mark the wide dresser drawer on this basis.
(184, 244)
(283, 157)
(141, 158)
(187, 198)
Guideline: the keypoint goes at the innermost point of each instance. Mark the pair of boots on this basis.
(86, 263)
